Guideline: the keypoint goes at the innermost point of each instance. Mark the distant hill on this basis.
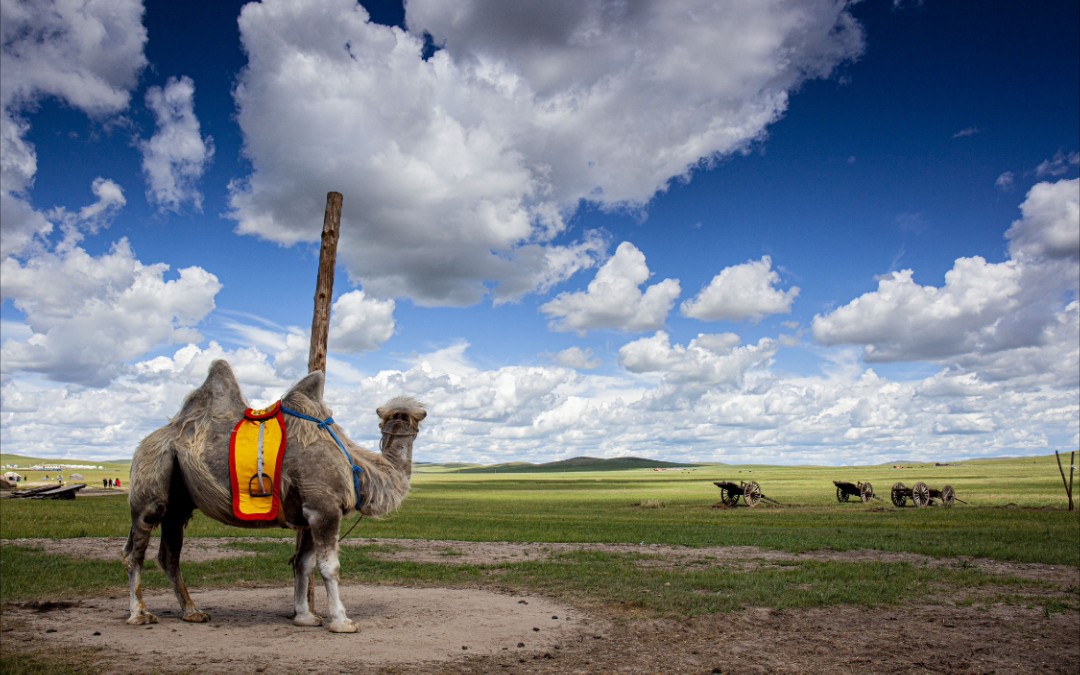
(447, 465)
(579, 464)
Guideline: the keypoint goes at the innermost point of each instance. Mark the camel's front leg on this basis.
(324, 530)
(303, 571)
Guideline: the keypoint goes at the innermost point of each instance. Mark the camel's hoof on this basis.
(198, 616)
(343, 626)
(308, 619)
(140, 619)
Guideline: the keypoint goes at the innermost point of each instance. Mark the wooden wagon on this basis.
(749, 491)
(845, 491)
(923, 495)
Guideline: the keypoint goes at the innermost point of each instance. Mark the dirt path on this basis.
(477, 630)
(492, 553)
(251, 631)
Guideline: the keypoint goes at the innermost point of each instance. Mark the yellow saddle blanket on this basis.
(256, 450)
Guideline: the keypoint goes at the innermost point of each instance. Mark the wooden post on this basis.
(324, 285)
(320, 320)
(1069, 483)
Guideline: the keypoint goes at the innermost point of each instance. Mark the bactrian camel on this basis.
(184, 466)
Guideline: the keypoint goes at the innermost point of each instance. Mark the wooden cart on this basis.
(845, 491)
(47, 492)
(749, 491)
(922, 495)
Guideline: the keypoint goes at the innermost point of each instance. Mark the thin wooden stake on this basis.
(1068, 483)
(324, 285)
(1072, 470)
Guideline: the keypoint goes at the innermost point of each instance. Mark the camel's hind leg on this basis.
(172, 542)
(142, 524)
(148, 496)
(303, 573)
(324, 531)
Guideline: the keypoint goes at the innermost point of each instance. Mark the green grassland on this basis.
(92, 477)
(1015, 511)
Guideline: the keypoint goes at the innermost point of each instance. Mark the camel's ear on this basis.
(404, 404)
(385, 411)
(311, 386)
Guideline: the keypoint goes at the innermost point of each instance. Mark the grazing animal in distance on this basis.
(185, 465)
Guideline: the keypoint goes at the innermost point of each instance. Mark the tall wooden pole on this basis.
(324, 286)
(320, 320)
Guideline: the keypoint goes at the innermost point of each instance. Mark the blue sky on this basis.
(782, 232)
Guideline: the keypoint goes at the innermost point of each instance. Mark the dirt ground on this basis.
(477, 630)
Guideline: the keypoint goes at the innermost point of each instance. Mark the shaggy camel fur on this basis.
(184, 466)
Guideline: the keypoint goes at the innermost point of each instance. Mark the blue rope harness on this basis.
(325, 424)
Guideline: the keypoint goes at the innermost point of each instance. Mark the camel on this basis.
(184, 466)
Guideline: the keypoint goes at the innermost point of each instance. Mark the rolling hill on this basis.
(578, 464)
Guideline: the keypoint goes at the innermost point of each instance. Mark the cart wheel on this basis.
(728, 497)
(899, 498)
(751, 494)
(920, 494)
(841, 496)
(866, 492)
(948, 496)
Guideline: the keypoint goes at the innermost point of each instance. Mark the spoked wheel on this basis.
(899, 494)
(920, 494)
(729, 497)
(948, 496)
(866, 492)
(751, 494)
(841, 496)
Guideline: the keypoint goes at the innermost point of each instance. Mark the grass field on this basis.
(92, 477)
(1014, 512)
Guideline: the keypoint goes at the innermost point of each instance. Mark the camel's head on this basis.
(401, 416)
(399, 421)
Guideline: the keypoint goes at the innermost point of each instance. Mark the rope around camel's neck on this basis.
(386, 435)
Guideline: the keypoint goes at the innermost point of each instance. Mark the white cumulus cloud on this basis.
(92, 217)
(578, 358)
(176, 156)
(90, 315)
(712, 399)
(746, 291)
(614, 298)
(459, 171)
(359, 323)
(903, 320)
(88, 54)
(1000, 318)
(710, 359)
(1050, 226)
